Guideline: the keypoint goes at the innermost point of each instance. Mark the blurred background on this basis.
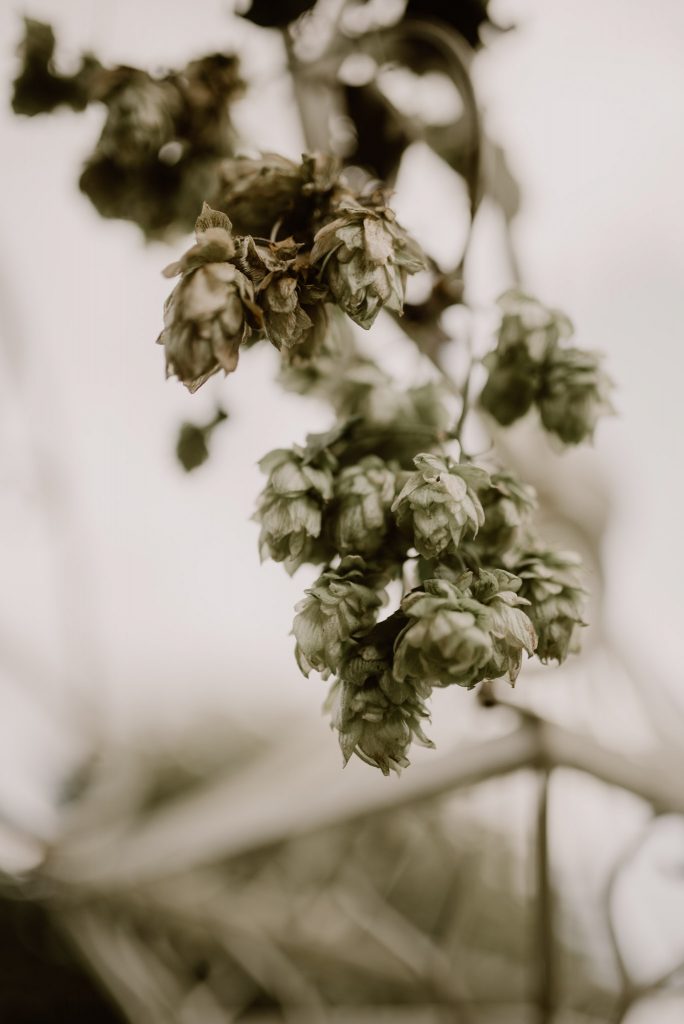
(176, 833)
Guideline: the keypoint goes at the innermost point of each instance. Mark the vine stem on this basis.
(546, 982)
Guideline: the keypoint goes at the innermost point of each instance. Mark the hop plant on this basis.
(574, 394)
(341, 603)
(363, 495)
(439, 503)
(206, 317)
(290, 508)
(295, 253)
(551, 583)
(365, 258)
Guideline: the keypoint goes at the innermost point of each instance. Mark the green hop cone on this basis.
(574, 394)
(290, 508)
(509, 623)
(440, 503)
(528, 330)
(363, 495)
(551, 583)
(365, 257)
(341, 603)
(377, 716)
(447, 638)
(207, 315)
(508, 504)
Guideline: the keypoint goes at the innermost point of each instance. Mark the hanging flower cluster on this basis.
(342, 250)
(387, 494)
(290, 252)
(479, 590)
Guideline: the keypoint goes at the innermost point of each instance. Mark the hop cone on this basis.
(440, 503)
(376, 715)
(206, 315)
(447, 639)
(574, 394)
(260, 193)
(550, 582)
(507, 504)
(341, 603)
(292, 312)
(510, 627)
(528, 329)
(290, 507)
(364, 493)
(365, 258)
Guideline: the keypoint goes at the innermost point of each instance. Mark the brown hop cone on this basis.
(365, 258)
(292, 311)
(207, 315)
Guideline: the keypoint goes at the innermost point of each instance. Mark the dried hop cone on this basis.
(574, 394)
(551, 583)
(510, 627)
(376, 715)
(363, 495)
(290, 507)
(440, 503)
(528, 329)
(447, 638)
(365, 257)
(342, 602)
(207, 315)
(293, 314)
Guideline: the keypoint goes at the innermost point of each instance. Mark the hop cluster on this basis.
(480, 593)
(282, 288)
(443, 634)
(532, 365)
